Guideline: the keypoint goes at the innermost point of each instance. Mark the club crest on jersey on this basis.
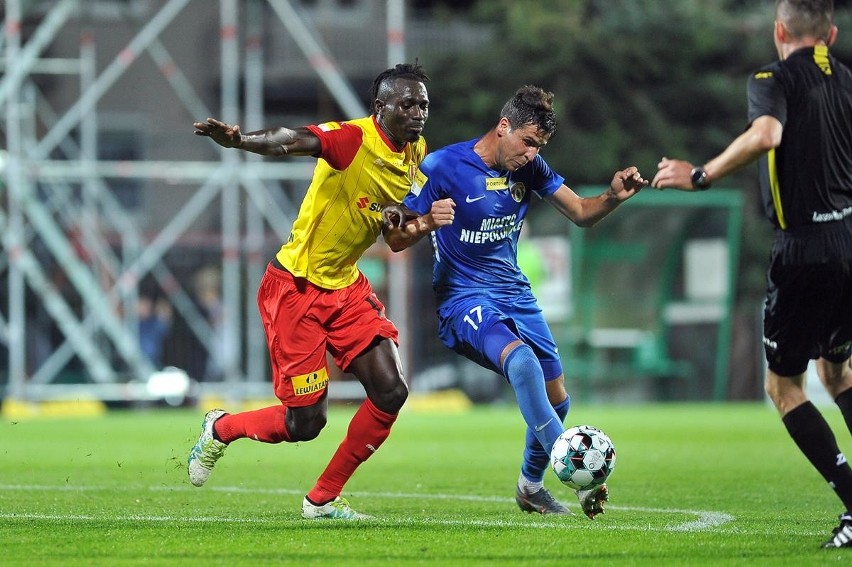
(517, 190)
(418, 180)
(310, 383)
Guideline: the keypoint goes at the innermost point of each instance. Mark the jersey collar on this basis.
(385, 138)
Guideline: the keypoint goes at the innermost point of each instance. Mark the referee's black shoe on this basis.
(842, 534)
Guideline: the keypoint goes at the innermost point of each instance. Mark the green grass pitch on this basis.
(694, 485)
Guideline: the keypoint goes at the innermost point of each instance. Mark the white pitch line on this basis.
(705, 520)
(136, 518)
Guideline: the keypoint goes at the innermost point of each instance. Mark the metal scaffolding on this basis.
(53, 184)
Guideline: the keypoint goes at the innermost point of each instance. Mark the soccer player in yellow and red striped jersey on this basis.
(313, 299)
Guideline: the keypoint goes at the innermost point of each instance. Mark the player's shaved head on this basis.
(806, 18)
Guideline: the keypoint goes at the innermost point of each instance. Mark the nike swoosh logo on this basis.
(543, 425)
(469, 200)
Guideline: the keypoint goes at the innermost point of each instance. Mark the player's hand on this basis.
(226, 135)
(626, 183)
(393, 216)
(673, 173)
(443, 212)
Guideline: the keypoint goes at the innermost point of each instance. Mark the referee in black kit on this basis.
(800, 129)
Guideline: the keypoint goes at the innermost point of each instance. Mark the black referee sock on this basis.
(844, 402)
(814, 437)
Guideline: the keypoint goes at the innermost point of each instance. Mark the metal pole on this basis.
(230, 327)
(178, 81)
(14, 230)
(19, 64)
(396, 31)
(399, 265)
(723, 350)
(79, 335)
(319, 58)
(87, 221)
(257, 360)
(110, 75)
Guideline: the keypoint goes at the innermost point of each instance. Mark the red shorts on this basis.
(303, 321)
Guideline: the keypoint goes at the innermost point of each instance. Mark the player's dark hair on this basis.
(531, 105)
(383, 84)
(806, 18)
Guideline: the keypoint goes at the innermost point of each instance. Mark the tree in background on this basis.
(669, 74)
(632, 78)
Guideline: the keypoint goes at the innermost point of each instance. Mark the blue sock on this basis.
(523, 371)
(536, 459)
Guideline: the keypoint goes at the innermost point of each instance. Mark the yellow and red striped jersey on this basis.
(358, 172)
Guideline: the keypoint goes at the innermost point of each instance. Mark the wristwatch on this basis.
(699, 179)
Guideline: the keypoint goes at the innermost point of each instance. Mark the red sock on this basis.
(368, 429)
(266, 425)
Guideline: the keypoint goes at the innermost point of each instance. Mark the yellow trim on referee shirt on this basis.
(775, 189)
(821, 59)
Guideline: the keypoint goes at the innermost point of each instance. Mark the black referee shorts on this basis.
(807, 315)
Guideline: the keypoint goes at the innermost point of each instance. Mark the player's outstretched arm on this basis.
(403, 227)
(763, 135)
(268, 142)
(587, 211)
(625, 184)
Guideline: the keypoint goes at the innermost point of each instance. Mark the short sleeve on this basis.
(340, 142)
(766, 95)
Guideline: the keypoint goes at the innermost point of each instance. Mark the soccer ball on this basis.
(583, 457)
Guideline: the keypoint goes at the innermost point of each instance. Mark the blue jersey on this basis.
(478, 252)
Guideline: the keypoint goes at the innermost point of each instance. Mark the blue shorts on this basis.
(464, 321)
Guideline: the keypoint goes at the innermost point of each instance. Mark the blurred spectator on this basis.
(208, 292)
(155, 319)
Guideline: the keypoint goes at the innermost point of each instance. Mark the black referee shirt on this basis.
(806, 183)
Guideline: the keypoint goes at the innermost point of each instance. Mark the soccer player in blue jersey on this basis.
(486, 309)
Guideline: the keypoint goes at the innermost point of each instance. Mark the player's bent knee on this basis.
(391, 401)
(306, 432)
(305, 429)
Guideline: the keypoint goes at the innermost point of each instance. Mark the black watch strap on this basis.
(699, 179)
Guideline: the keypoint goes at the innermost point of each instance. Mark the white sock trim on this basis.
(527, 486)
